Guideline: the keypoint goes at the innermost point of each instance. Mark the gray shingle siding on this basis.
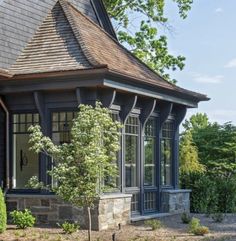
(19, 20)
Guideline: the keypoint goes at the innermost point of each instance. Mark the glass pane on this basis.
(166, 161)
(135, 203)
(55, 117)
(150, 201)
(25, 162)
(29, 118)
(62, 116)
(131, 143)
(149, 162)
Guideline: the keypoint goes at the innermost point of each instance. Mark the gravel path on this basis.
(173, 230)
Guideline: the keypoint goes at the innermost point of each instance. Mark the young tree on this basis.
(81, 165)
(145, 40)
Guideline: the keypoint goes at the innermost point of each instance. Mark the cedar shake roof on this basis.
(68, 40)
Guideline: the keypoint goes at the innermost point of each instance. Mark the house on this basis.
(57, 54)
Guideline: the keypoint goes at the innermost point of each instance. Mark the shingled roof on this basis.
(19, 20)
(68, 40)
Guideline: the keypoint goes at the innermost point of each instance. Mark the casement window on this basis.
(61, 126)
(131, 151)
(167, 153)
(25, 162)
(150, 153)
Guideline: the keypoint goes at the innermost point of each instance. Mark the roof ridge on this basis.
(78, 36)
(117, 42)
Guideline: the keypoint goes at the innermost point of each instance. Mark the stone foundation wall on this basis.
(175, 201)
(110, 210)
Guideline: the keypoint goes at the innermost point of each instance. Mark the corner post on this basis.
(164, 112)
(180, 113)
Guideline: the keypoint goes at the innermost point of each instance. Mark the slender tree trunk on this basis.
(89, 224)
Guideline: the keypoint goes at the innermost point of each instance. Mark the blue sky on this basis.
(207, 38)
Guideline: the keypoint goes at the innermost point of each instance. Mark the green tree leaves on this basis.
(145, 41)
(80, 166)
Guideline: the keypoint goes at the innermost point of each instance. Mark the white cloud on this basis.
(219, 10)
(207, 79)
(231, 64)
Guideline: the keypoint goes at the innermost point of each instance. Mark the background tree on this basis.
(188, 155)
(81, 165)
(145, 41)
(215, 145)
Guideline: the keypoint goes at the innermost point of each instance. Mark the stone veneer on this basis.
(110, 210)
(175, 201)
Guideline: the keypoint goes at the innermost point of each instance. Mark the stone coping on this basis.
(115, 196)
(47, 196)
(149, 216)
(176, 190)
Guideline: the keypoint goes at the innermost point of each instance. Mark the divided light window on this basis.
(131, 151)
(25, 162)
(61, 126)
(167, 153)
(150, 153)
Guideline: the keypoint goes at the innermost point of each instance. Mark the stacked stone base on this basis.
(109, 212)
(175, 201)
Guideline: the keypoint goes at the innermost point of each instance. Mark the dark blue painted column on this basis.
(164, 109)
(180, 112)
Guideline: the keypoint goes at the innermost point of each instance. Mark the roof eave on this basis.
(197, 97)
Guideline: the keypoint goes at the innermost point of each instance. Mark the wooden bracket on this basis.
(127, 107)
(147, 109)
(39, 102)
(80, 96)
(180, 112)
(107, 97)
(165, 111)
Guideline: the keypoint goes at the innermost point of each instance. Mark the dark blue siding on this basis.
(2, 146)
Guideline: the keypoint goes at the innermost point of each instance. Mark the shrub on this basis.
(201, 230)
(226, 189)
(196, 228)
(186, 218)
(204, 195)
(218, 217)
(3, 213)
(69, 228)
(194, 224)
(23, 219)
(153, 224)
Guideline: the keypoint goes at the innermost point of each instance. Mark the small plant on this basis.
(3, 213)
(69, 228)
(186, 218)
(194, 224)
(201, 231)
(23, 219)
(218, 217)
(153, 224)
(196, 228)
